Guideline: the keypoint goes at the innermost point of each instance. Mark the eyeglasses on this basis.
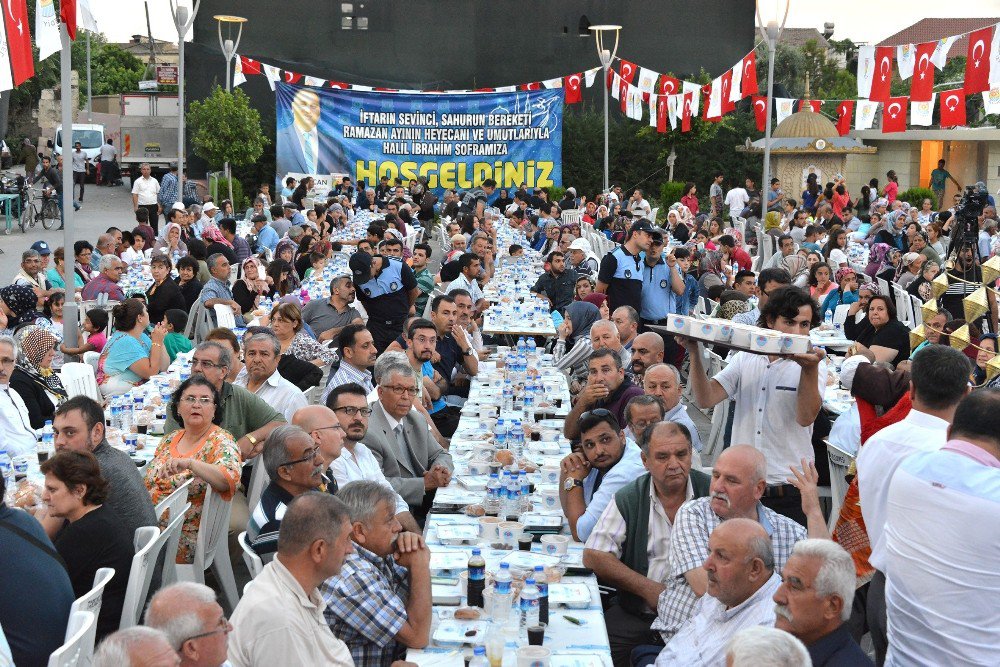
(335, 426)
(201, 400)
(599, 412)
(223, 627)
(350, 410)
(198, 363)
(310, 455)
(399, 391)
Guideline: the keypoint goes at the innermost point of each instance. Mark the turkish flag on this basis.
(977, 62)
(668, 85)
(760, 111)
(340, 85)
(19, 41)
(249, 65)
(882, 78)
(894, 114)
(571, 88)
(291, 77)
(844, 112)
(661, 113)
(686, 117)
(67, 12)
(727, 85)
(627, 71)
(922, 83)
(748, 86)
(815, 105)
(952, 107)
(534, 85)
(396, 90)
(475, 90)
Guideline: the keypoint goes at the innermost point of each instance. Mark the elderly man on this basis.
(380, 602)
(814, 601)
(327, 434)
(557, 284)
(32, 271)
(111, 268)
(266, 236)
(750, 646)
(261, 353)
(106, 245)
(626, 320)
(279, 621)
(740, 579)
(137, 646)
(647, 350)
(588, 479)
(357, 355)
(630, 545)
(328, 317)
(603, 333)
(348, 407)
(738, 482)
(664, 382)
(607, 387)
(412, 460)
(217, 290)
(294, 466)
(15, 430)
(194, 623)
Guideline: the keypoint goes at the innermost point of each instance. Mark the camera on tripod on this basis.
(966, 227)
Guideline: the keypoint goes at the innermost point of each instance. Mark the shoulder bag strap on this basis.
(35, 542)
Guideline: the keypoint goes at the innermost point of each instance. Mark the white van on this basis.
(91, 137)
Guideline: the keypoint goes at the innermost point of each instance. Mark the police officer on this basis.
(662, 284)
(620, 273)
(388, 290)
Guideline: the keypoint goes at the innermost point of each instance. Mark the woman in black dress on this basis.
(880, 331)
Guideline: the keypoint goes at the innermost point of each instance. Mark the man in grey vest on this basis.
(629, 547)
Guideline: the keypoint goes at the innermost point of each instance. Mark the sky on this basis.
(860, 20)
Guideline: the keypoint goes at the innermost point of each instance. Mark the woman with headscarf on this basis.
(845, 294)
(678, 230)
(600, 300)
(891, 232)
(921, 287)
(18, 308)
(217, 243)
(170, 244)
(574, 334)
(251, 286)
(798, 269)
(772, 224)
(33, 378)
(713, 272)
(879, 260)
(285, 251)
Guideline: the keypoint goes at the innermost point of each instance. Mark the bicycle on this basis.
(31, 212)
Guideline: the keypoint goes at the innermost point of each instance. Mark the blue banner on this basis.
(455, 140)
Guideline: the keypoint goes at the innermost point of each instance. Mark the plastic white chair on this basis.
(312, 394)
(174, 505)
(147, 549)
(411, 240)
(883, 285)
(91, 601)
(258, 480)
(840, 315)
(918, 314)
(92, 358)
(840, 463)
(212, 548)
(250, 557)
(653, 213)
(233, 270)
(78, 650)
(80, 380)
(224, 316)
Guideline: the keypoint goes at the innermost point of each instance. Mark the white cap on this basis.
(580, 244)
(209, 206)
(178, 206)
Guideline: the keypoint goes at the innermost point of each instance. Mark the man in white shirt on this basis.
(260, 375)
(15, 431)
(279, 621)
(145, 191)
(939, 379)
(736, 200)
(348, 404)
(741, 582)
(941, 529)
(778, 397)
(638, 205)
(469, 264)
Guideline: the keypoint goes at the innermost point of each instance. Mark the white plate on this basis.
(452, 631)
(474, 482)
(449, 560)
(458, 532)
(574, 596)
(540, 520)
(527, 560)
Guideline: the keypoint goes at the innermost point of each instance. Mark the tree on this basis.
(114, 71)
(225, 128)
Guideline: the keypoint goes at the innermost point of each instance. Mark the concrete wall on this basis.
(903, 156)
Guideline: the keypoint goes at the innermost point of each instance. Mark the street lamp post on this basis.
(183, 20)
(771, 33)
(229, 47)
(607, 57)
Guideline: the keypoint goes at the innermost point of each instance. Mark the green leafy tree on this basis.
(225, 128)
(114, 70)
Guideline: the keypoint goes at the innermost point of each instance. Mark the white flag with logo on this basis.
(689, 87)
(238, 77)
(590, 75)
(647, 79)
(652, 109)
(922, 112)
(315, 82)
(866, 70)
(940, 55)
(46, 29)
(995, 58)
(616, 85)
(634, 103)
(736, 87)
(6, 74)
(864, 114)
(906, 58)
(674, 110)
(271, 73)
(500, 89)
(991, 100)
(553, 83)
(715, 99)
(85, 16)
(784, 106)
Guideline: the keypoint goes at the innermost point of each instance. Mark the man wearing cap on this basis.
(620, 273)
(662, 286)
(207, 218)
(167, 195)
(145, 190)
(388, 290)
(266, 236)
(290, 216)
(32, 273)
(558, 283)
(581, 257)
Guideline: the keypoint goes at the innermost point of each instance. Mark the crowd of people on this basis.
(707, 558)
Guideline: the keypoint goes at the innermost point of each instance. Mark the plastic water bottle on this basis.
(521, 345)
(501, 434)
(532, 348)
(138, 407)
(528, 406)
(543, 594)
(116, 413)
(525, 492)
(828, 320)
(508, 397)
(501, 594)
(493, 494)
(477, 579)
(48, 437)
(479, 657)
(529, 607)
(7, 472)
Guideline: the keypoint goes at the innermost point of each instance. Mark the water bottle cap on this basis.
(504, 566)
(539, 568)
(477, 552)
(479, 650)
(48, 422)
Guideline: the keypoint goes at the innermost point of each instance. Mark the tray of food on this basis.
(755, 340)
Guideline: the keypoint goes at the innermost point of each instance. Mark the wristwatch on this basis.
(469, 352)
(570, 483)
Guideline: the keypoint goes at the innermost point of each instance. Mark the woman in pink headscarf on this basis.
(248, 290)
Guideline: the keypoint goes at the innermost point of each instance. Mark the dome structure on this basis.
(805, 124)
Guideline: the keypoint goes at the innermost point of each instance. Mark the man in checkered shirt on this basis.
(380, 603)
(738, 482)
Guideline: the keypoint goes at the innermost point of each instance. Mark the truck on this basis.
(148, 132)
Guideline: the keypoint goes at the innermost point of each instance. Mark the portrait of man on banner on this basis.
(304, 146)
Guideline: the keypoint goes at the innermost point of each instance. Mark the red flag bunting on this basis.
(249, 65)
(883, 74)
(815, 105)
(748, 85)
(627, 71)
(668, 85)
(661, 114)
(534, 85)
(953, 107)
(844, 112)
(340, 84)
(19, 40)
(396, 90)
(894, 114)
(67, 12)
(291, 77)
(686, 115)
(475, 90)
(727, 84)
(977, 63)
(572, 91)
(922, 82)
(760, 111)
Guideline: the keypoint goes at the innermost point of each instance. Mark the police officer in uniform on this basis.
(662, 289)
(620, 273)
(388, 290)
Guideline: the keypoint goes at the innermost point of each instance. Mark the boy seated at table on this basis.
(95, 323)
(317, 262)
(175, 342)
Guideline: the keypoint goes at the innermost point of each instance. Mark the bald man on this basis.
(137, 646)
(647, 349)
(194, 623)
(738, 482)
(664, 382)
